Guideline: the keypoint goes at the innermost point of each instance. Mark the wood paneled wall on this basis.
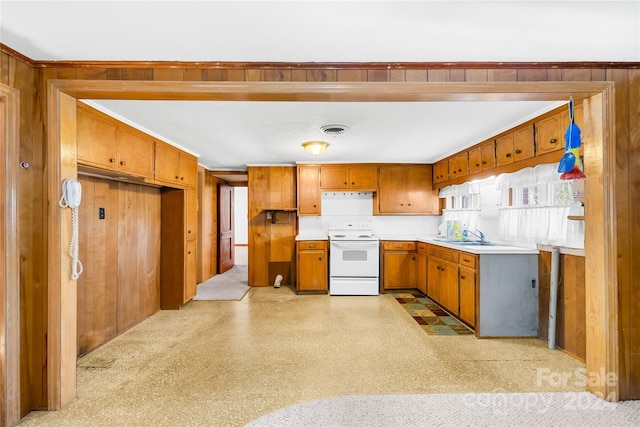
(30, 78)
(570, 315)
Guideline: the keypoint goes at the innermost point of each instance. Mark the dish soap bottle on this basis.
(464, 232)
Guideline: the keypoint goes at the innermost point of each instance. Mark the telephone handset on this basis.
(71, 193)
(71, 196)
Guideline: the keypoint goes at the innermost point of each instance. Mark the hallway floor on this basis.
(226, 363)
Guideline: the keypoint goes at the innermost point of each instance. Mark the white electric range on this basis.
(354, 259)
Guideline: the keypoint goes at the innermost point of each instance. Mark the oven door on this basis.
(354, 259)
(353, 286)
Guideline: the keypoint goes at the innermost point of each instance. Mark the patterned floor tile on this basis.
(433, 319)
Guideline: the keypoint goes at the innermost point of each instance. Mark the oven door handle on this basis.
(355, 245)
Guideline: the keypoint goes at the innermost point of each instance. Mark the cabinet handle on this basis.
(182, 178)
(518, 151)
(123, 163)
(508, 154)
(477, 164)
(484, 162)
(462, 277)
(320, 258)
(345, 183)
(189, 231)
(465, 260)
(189, 253)
(314, 206)
(112, 160)
(177, 177)
(459, 170)
(553, 140)
(353, 183)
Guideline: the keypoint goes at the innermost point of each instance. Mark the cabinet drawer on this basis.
(422, 248)
(443, 253)
(399, 246)
(467, 260)
(315, 244)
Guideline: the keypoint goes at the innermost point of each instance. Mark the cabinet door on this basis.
(363, 177)
(334, 177)
(523, 145)
(312, 270)
(420, 198)
(459, 165)
(400, 270)
(97, 141)
(488, 152)
(188, 170)
(392, 192)
(135, 153)
(192, 214)
(475, 160)
(504, 149)
(467, 290)
(309, 197)
(190, 284)
(422, 273)
(449, 289)
(441, 171)
(167, 163)
(433, 279)
(549, 136)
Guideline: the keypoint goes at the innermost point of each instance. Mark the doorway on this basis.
(241, 229)
(601, 282)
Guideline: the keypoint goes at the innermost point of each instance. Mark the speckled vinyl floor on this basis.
(226, 363)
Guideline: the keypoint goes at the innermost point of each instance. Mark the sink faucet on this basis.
(479, 234)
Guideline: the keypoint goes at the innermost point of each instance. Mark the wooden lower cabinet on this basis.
(399, 265)
(178, 254)
(452, 281)
(311, 266)
(467, 296)
(443, 277)
(422, 267)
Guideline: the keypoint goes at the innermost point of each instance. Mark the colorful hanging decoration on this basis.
(570, 165)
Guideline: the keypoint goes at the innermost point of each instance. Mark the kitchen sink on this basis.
(468, 242)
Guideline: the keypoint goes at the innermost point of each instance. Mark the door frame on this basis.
(600, 243)
(10, 262)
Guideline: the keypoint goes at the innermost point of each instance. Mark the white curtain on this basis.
(545, 225)
(539, 224)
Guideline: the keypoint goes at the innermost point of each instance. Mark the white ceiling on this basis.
(229, 135)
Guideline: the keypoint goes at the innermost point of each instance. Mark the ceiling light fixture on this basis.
(315, 147)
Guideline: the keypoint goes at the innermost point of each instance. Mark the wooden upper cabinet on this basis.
(175, 166)
(349, 177)
(407, 189)
(488, 153)
(523, 143)
(105, 144)
(97, 140)
(549, 135)
(271, 188)
(475, 160)
(504, 149)
(459, 165)
(167, 162)
(188, 169)
(309, 196)
(441, 171)
(135, 153)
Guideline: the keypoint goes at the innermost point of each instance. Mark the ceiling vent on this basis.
(334, 129)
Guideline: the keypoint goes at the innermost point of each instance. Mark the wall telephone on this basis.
(71, 197)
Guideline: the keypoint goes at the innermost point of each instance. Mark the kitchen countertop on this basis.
(304, 237)
(497, 249)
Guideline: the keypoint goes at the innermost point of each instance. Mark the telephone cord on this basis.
(76, 265)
